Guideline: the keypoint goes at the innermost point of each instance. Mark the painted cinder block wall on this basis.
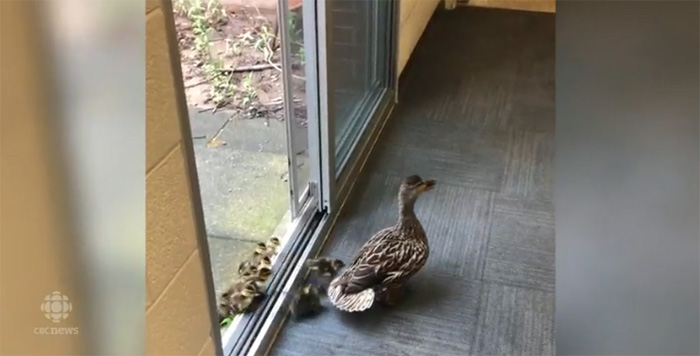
(177, 315)
(414, 16)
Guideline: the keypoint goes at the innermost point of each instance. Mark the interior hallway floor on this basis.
(476, 113)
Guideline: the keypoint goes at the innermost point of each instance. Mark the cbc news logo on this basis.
(56, 307)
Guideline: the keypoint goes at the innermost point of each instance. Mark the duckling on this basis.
(265, 262)
(323, 271)
(388, 259)
(258, 253)
(260, 249)
(271, 247)
(222, 310)
(240, 301)
(273, 244)
(248, 270)
(223, 306)
(262, 276)
(306, 303)
(325, 267)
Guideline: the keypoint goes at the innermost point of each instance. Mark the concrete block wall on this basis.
(524, 5)
(177, 314)
(414, 16)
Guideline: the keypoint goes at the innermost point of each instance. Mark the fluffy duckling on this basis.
(323, 270)
(262, 255)
(261, 277)
(241, 300)
(222, 310)
(252, 261)
(265, 262)
(260, 249)
(325, 267)
(248, 270)
(224, 303)
(273, 244)
(306, 303)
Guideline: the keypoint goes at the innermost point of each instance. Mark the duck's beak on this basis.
(429, 184)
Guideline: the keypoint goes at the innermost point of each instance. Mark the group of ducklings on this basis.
(307, 301)
(246, 293)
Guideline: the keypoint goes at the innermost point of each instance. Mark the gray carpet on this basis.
(477, 113)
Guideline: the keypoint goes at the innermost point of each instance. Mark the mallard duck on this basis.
(325, 267)
(306, 303)
(388, 259)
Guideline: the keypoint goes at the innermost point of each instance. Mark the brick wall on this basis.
(349, 44)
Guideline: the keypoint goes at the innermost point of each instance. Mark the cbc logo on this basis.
(56, 307)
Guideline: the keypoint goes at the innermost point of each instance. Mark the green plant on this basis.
(249, 92)
(301, 54)
(205, 18)
(226, 322)
(180, 7)
(233, 48)
(292, 25)
(221, 89)
(264, 41)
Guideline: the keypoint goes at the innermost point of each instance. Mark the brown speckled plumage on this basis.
(388, 259)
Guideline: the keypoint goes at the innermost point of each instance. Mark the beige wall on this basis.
(177, 303)
(526, 5)
(415, 14)
(413, 18)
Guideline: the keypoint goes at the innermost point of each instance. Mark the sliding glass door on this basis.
(301, 127)
(338, 69)
(357, 61)
(356, 54)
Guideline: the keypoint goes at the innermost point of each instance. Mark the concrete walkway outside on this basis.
(243, 183)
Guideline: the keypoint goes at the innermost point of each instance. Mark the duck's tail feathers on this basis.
(356, 302)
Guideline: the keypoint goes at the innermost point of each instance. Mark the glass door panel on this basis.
(291, 30)
(358, 52)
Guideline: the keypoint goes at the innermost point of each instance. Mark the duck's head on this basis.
(273, 243)
(252, 271)
(260, 248)
(338, 264)
(413, 186)
(248, 291)
(264, 274)
(265, 262)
